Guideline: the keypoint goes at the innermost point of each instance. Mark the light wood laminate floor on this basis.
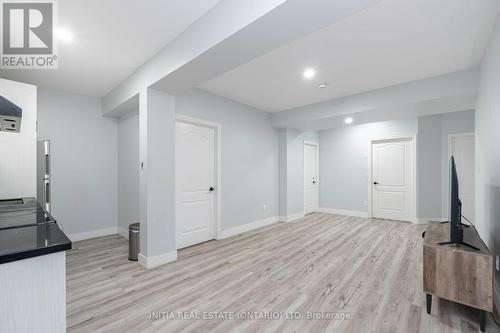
(369, 270)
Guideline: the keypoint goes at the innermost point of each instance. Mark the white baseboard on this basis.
(427, 220)
(92, 234)
(292, 218)
(247, 227)
(343, 212)
(123, 232)
(158, 260)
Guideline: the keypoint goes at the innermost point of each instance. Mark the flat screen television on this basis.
(455, 218)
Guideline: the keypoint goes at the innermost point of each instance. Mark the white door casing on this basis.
(311, 179)
(392, 179)
(195, 165)
(461, 146)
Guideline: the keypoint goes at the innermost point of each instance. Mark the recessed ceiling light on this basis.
(309, 73)
(64, 35)
(348, 120)
(322, 85)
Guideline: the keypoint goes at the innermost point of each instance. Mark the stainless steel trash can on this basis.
(133, 241)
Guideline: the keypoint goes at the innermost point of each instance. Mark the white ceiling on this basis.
(112, 39)
(388, 43)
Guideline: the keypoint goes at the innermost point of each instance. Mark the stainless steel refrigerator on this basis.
(43, 187)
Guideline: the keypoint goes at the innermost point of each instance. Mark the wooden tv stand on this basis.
(458, 273)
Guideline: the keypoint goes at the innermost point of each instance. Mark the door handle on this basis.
(47, 192)
(47, 165)
(212, 189)
(375, 183)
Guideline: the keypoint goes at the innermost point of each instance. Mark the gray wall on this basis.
(429, 167)
(433, 174)
(84, 160)
(487, 149)
(249, 156)
(249, 159)
(128, 170)
(344, 161)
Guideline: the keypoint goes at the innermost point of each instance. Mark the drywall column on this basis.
(294, 176)
(429, 169)
(157, 177)
(282, 137)
(291, 159)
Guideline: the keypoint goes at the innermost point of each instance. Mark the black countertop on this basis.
(32, 241)
(27, 232)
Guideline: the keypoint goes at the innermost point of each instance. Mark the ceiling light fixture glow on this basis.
(322, 85)
(309, 73)
(348, 120)
(64, 35)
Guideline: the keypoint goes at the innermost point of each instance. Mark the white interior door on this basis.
(462, 148)
(311, 184)
(194, 178)
(392, 180)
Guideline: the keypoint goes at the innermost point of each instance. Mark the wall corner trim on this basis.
(157, 260)
(247, 227)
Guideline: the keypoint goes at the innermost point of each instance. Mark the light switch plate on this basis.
(498, 263)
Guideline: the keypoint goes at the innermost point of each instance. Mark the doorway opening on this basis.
(311, 177)
(461, 146)
(197, 181)
(392, 179)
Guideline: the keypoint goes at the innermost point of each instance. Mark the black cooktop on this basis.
(27, 230)
(22, 218)
(7, 205)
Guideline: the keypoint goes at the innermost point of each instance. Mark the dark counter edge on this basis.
(10, 257)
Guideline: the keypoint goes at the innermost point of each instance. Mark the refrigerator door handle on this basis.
(44, 165)
(47, 165)
(47, 195)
